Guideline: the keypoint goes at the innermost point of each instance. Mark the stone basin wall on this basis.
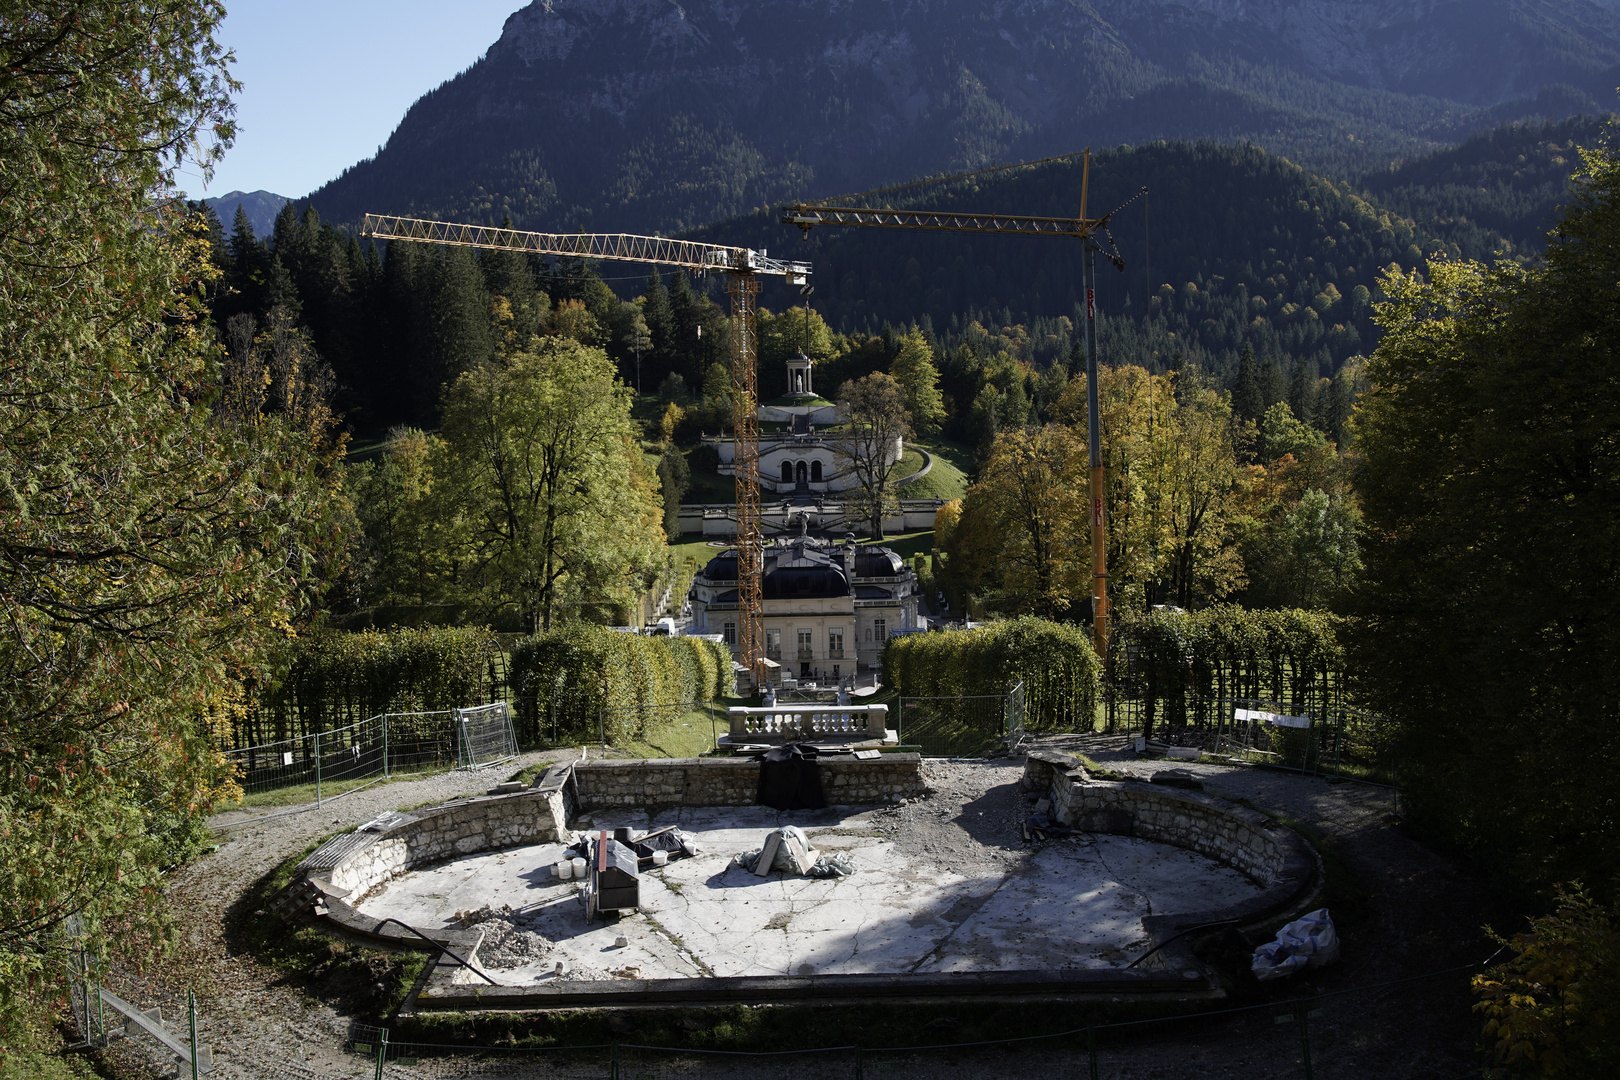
(663, 782)
(348, 867)
(1263, 849)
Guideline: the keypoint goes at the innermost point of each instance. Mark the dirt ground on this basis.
(1403, 911)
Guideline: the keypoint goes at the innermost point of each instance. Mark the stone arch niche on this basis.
(815, 472)
(787, 472)
(801, 474)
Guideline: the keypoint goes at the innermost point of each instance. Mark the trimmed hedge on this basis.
(1060, 672)
(339, 678)
(579, 669)
(1184, 662)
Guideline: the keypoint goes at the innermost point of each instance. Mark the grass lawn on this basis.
(908, 544)
(365, 449)
(689, 735)
(946, 480)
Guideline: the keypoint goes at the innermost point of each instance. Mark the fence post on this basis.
(191, 1011)
(601, 723)
(613, 1070)
(385, 745)
(317, 768)
(900, 720)
(1302, 1012)
(858, 1063)
(1091, 1049)
(382, 1052)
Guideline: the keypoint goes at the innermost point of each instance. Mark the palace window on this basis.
(729, 632)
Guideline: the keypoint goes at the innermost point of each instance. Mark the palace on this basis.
(795, 459)
(829, 607)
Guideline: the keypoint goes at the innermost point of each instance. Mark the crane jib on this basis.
(808, 216)
(622, 247)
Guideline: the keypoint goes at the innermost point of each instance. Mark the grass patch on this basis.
(907, 545)
(1102, 772)
(946, 480)
(367, 984)
(686, 736)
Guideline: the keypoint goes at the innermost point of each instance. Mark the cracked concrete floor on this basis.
(1074, 903)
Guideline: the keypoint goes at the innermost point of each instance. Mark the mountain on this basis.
(650, 115)
(261, 208)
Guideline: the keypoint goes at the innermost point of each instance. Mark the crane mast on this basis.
(742, 267)
(829, 212)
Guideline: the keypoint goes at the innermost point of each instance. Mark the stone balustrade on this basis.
(789, 723)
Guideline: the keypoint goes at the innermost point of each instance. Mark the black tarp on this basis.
(790, 778)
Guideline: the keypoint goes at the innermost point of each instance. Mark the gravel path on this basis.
(256, 1023)
(1417, 911)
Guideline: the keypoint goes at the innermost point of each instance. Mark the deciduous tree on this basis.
(558, 500)
(1491, 487)
(148, 553)
(874, 411)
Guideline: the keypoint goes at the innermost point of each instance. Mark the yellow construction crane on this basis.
(742, 267)
(836, 211)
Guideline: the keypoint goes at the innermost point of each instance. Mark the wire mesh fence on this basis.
(138, 1025)
(980, 725)
(484, 736)
(1334, 739)
(324, 764)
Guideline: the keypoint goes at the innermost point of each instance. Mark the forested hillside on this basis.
(638, 116)
(1233, 247)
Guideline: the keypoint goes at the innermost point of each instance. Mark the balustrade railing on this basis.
(808, 721)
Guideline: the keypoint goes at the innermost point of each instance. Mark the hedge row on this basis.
(1055, 661)
(1184, 662)
(567, 676)
(339, 678)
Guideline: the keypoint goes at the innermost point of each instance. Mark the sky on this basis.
(325, 84)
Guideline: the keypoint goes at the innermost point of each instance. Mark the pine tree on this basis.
(1247, 398)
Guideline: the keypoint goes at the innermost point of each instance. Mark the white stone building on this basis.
(828, 606)
(800, 457)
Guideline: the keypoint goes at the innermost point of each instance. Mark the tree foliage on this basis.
(874, 413)
(566, 676)
(1551, 1008)
(151, 550)
(556, 502)
(1060, 672)
(1491, 489)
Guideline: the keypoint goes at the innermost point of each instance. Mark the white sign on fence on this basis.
(286, 758)
(1274, 719)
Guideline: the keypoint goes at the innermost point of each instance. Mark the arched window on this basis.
(787, 472)
(815, 472)
(801, 472)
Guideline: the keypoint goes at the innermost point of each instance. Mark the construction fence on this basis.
(328, 763)
(1324, 738)
(981, 725)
